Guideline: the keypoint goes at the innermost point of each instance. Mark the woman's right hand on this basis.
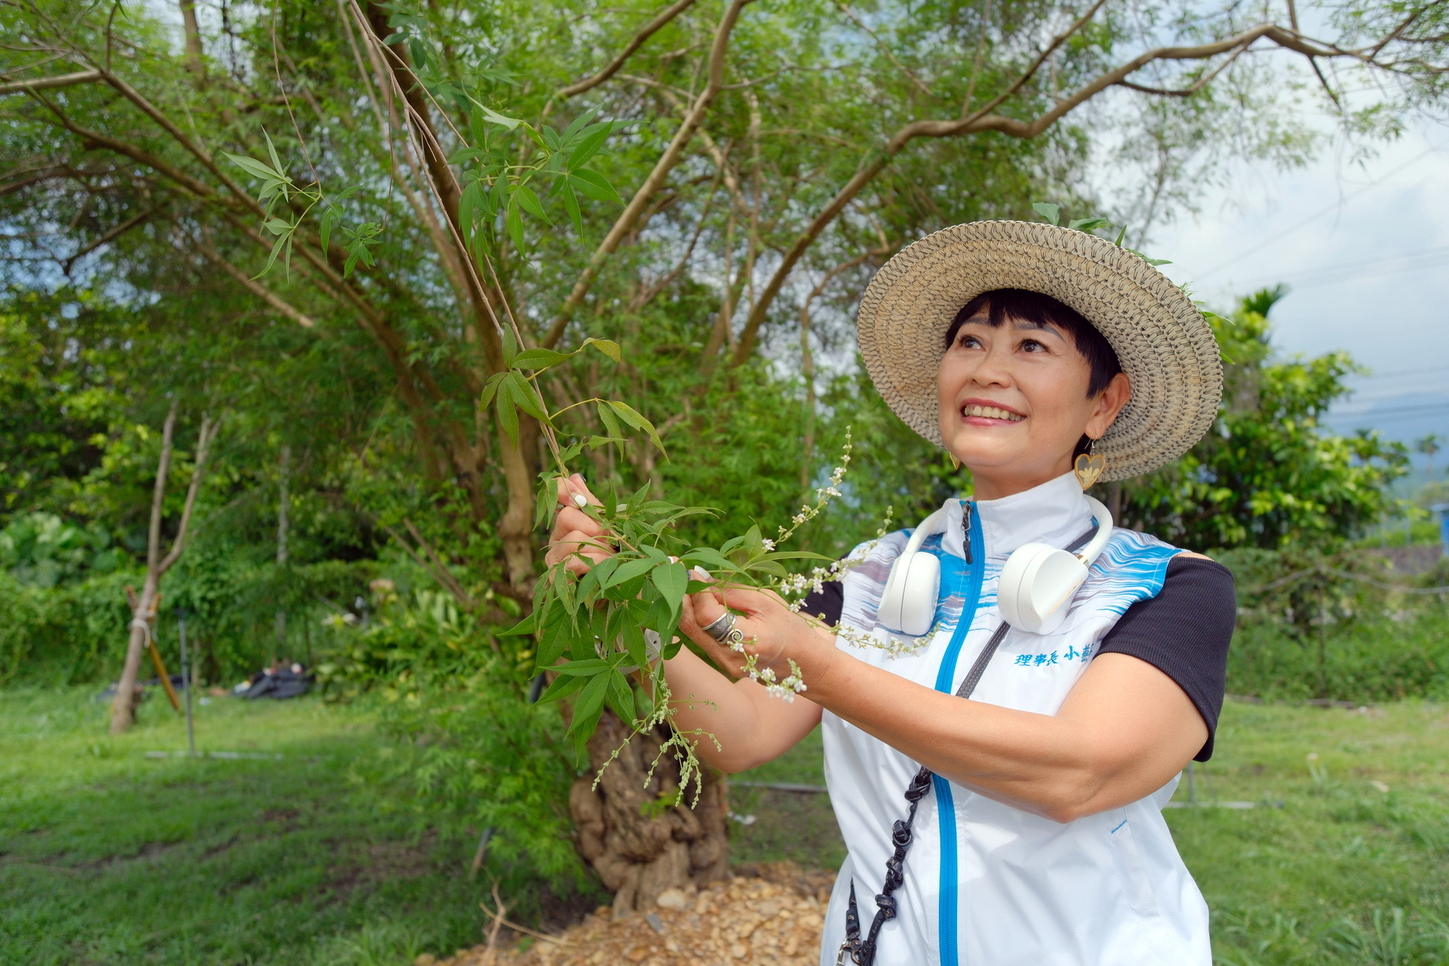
(577, 538)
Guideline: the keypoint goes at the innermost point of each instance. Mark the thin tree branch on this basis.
(255, 287)
(50, 83)
(637, 205)
(158, 493)
(649, 30)
(204, 439)
(108, 237)
(983, 120)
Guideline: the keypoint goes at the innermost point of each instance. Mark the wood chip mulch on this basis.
(768, 915)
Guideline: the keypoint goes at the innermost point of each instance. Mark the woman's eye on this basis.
(968, 342)
(1031, 345)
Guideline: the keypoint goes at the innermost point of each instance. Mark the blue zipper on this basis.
(971, 578)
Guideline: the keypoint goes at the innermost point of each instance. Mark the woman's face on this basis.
(1014, 403)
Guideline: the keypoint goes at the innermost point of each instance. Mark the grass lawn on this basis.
(107, 856)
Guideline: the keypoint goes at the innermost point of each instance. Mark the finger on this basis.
(570, 518)
(574, 492)
(708, 608)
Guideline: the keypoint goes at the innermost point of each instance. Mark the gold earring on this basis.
(1089, 467)
(955, 463)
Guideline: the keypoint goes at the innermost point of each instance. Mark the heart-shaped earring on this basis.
(1088, 468)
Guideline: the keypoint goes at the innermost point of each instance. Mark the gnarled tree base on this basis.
(638, 850)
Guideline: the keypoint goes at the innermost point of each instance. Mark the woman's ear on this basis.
(1109, 403)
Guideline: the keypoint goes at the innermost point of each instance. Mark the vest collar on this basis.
(1055, 513)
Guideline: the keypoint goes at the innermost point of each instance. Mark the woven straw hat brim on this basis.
(1161, 339)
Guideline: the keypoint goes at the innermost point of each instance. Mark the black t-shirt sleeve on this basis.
(1184, 632)
(826, 603)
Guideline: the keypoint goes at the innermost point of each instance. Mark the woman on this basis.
(1021, 824)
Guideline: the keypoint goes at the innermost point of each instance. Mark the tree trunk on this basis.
(143, 616)
(638, 857)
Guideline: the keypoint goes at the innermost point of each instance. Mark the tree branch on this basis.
(255, 287)
(108, 237)
(983, 120)
(50, 83)
(204, 440)
(662, 167)
(649, 30)
(158, 493)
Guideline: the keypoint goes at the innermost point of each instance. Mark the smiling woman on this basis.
(1034, 755)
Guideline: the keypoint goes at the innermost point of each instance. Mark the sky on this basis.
(1364, 250)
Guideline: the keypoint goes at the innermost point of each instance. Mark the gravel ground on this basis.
(770, 915)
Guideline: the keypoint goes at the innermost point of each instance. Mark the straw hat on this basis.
(1161, 339)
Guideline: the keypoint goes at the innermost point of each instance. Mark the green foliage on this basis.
(1268, 475)
(454, 695)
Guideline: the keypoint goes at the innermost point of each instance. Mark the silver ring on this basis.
(721, 627)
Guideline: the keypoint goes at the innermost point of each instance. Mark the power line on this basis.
(1317, 214)
(1343, 273)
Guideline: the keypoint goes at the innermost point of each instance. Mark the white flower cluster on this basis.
(894, 645)
(783, 688)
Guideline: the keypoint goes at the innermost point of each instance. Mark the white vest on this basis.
(987, 884)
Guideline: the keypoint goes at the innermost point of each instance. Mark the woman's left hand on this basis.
(773, 633)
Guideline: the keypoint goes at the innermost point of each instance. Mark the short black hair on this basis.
(1038, 309)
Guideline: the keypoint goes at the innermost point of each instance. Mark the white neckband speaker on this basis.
(1035, 585)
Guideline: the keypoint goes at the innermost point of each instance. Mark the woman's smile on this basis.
(987, 412)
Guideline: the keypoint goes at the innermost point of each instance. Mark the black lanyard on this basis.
(862, 951)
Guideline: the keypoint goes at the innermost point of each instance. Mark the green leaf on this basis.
(525, 396)
(630, 416)
(539, 358)
(621, 697)
(530, 202)
(634, 644)
(591, 184)
(607, 346)
(1088, 224)
(255, 168)
(507, 417)
(561, 688)
(582, 668)
(329, 217)
(628, 571)
(1049, 211)
(510, 346)
(513, 222)
(466, 154)
(591, 701)
(671, 579)
(571, 205)
(525, 626)
(610, 421)
(489, 388)
(589, 146)
(493, 117)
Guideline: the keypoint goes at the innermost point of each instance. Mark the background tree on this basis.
(761, 151)
(1429, 445)
(1268, 475)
